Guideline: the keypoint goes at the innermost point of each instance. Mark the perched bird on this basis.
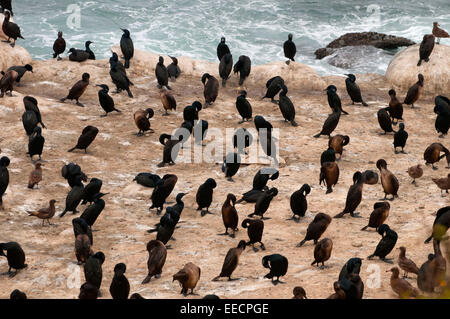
(388, 180)
(106, 101)
(162, 190)
(337, 143)
(31, 104)
(83, 240)
(173, 69)
(36, 143)
(289, 49)
(441, 224)
(266, 140)
(334, 100)
(120, 287)
(127, 48)
(406, 264)
(119, 76)
(222, 48)
(188, 277)
(231, 261)
(425, 275)
(400, 138)
(353, 90)
(157, 254)
(299, 293)
(88, 292)
(263, 202)
(433, 155)
(329, 155)
(255, 229)
(426, 48)
(16, 294)
(386, 244)
(242, 139)
(322, 252)
(414, 172)
(230, 216)
(414, 92)
(15, 256)
(329, 175)
(370, 177)
(162, 76)
(171, 148)
(244, 107)
(225, 67)
(89, 51)
(298, 202)
(7, 81)
(402, 287)
(379, 215)
(94, 210)
(91, 190)
(59, 46)
(147, 179)
(278, 265)
(77, 55)
(243, 66)
(78, 89)
(210, 88)
(190, 112)
(395, 108)
(442, 183)
(263, 176)
(29, 122)
(4, 177)
(168, 101)
(316, 228)
(286, 106)
(71, 171)
(352, 266)
(142, 120)
(10, 29)
(21, 71)
(352, 287)
(231, 164)
(74, 197)
(273, 86)
(339, 293)
(86, 138)
(35, 176)
(439, 33)
(330, 123)
(442, 109)
(204, 196)
(6, 5)
(354, 196)
(384, 120)
(44, 213)
(93, 269)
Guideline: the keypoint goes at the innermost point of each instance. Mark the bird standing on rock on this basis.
(439, 33)
(35, 176)
(106, 101)
(44, 213)
(78, 89)
(289, 49)
(353, 90)
(59, 46)
(10, 29)
(127, 47)
(86, 138)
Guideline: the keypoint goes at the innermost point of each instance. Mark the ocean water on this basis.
(255, 28)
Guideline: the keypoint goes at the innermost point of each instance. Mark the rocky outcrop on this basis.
(375, 39)
(403, 70)
(12, 56)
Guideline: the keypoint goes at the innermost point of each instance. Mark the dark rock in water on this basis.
(375, 39)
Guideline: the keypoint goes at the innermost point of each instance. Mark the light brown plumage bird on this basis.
(231, 261)
(338, 142)
(442, 183)
(299, 293)
(439, 33)
(142, 120)
(44, 213)
(35, 176)
(415, 172)
(406, 264)
(188, 277)
(168, 101)
(339, 293)
(401, 287)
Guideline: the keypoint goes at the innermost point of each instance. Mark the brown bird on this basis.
(168, 101)
(329, 175)
(339, 293)
(354, 196)
(426, 48)
(188, 277)
(7, 81)
(82, 248)
(78, 89)
(338, 142)
(157, 254)
(401, 287)
(231, 261)
(395, 108)
(414, 92)
(379, 215)
(211, 88)
(442, 183)
(439, 265)
(10, 29)
(415, 172)
(322, 252)
(432, 154)
(299, 293)
(439, 33)
(35, 176)
(316, 228)
(44, 213)
(229, 215)
(142, 120)
(406, 264)
(388, 180)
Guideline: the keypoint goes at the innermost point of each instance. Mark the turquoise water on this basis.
(254, 28)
